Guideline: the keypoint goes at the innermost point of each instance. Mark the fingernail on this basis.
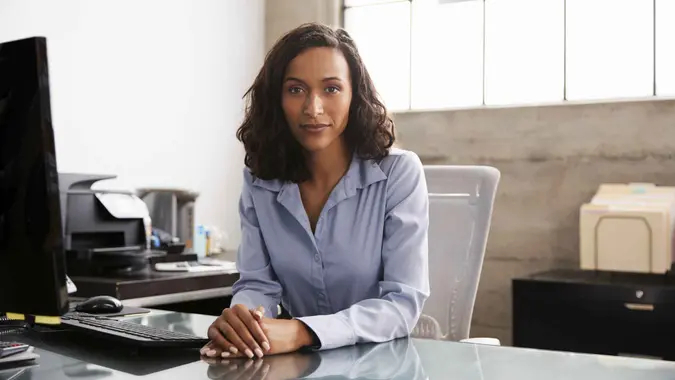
(248, 353)
(259, 352)
(225, 354)
(259, 314)
(234, 350)
(211, 353)
(266, 346)
(203, 351)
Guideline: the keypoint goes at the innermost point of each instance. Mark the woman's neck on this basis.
(329, 165)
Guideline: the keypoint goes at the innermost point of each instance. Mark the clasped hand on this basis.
(242, 332)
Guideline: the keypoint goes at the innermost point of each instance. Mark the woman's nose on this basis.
(314, 106)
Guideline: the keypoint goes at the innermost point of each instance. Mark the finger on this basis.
(255, 327)
(217, 333)
(258, 314)
(244, 325)
(205, 349)
(210, 350)
(254, 331)
(232, 331)
(229, 345)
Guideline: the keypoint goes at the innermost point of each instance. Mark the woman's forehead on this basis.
(318, 63)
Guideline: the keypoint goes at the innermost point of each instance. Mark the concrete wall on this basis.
(552, 159)
(284, 15)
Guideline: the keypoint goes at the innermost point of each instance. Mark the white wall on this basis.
(150, 90)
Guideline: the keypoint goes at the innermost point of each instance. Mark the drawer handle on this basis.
(639, 306)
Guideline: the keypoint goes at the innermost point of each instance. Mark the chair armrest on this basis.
(485, 341)
(427, 328)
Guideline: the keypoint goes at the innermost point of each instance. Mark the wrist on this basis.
(305, 336)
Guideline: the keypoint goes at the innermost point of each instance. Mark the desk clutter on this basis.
(16, 356)
(628, 228)
(110, 232)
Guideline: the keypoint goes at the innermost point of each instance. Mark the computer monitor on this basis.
(32, 259)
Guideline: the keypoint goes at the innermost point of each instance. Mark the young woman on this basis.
(334, 220)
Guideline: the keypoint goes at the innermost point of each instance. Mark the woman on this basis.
(334, 220)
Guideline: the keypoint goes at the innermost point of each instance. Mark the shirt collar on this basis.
(361, 173)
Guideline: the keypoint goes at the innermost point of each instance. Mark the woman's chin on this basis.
(315, 145)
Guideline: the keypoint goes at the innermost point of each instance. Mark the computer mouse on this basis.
(100, 305)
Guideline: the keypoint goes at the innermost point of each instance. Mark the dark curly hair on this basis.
(271, 150)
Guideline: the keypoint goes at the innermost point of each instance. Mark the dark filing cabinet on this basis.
(596, 312)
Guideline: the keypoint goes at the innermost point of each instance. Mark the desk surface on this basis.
(62, 357)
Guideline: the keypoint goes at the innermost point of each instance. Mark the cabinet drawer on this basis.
(591, 324)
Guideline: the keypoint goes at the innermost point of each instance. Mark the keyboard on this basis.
(134, 333)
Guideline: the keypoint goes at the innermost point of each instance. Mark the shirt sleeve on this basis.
(258, 284)
(405, 284)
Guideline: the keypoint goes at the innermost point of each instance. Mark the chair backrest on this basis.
(460, 210)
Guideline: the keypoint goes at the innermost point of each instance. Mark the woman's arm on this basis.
(258, 284)
(237, 330)
(405, 286)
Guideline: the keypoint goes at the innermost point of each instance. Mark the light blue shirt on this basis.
(363, 275)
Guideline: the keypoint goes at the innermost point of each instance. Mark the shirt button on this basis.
(316, 258)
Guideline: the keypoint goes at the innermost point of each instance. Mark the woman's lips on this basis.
(314, 127)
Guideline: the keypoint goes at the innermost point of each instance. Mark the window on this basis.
(429, 54)
(665, 47)
(447, 54)
(524, 53)
(382, 35)
(610, 48)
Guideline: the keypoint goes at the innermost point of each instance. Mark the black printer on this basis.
(105, 231)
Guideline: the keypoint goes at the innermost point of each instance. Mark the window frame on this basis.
(654, 95)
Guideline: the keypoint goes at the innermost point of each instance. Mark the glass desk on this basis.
(64, 355)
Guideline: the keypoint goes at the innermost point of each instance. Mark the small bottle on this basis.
(200, 241)
(207, 250)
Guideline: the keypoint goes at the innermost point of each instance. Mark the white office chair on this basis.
(460, 210)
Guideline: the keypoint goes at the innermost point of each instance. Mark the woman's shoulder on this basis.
(250, 180)
(401, 163)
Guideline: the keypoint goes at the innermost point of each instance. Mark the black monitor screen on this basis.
(32, 262)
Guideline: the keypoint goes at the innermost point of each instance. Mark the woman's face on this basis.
(316, 96)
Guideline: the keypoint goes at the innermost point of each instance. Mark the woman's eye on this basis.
(332, 90)
(294, 90)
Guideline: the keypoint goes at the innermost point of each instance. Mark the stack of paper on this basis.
(628, 228)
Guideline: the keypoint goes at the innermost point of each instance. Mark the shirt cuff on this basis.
(253, 299)
(333, 330)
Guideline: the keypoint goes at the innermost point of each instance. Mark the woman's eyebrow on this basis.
(288, 79)
(326, 79)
